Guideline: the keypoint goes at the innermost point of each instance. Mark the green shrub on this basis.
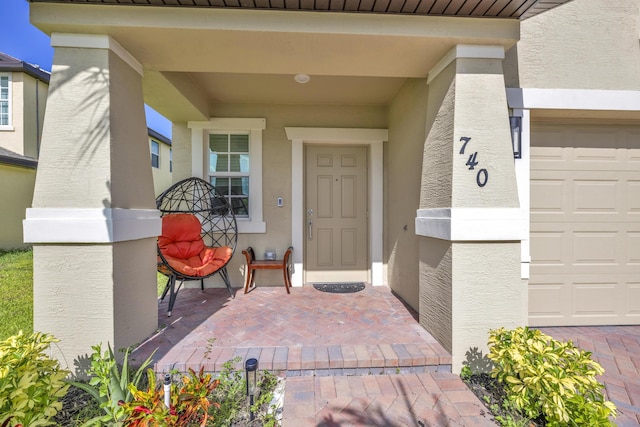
(543, 376)
(31, 383)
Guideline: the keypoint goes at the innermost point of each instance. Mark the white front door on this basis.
(336, 232)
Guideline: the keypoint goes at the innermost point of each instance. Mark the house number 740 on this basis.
(483, 175)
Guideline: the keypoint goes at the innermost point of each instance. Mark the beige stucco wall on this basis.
(181, 143)
(486, 293)
(100, 304)
(87, 178)
(276, 168)
(161, 175)
(403, 167)
(583, 44)
(28, 100)
(105, 156)
(16, 192)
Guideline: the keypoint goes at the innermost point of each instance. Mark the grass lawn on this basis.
(16, 289)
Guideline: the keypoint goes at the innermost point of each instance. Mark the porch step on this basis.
(335, 360)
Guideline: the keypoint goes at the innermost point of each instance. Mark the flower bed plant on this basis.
(124, 397)
(542, 381)
(31, 383)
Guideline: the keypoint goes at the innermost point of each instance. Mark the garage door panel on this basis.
(633, 299)
(549, 195)
(546, 301)
(585, 225)
(596, 247)
(633, 248)
(595, 196)
(548, 247)
(594, 299)
(633, 198)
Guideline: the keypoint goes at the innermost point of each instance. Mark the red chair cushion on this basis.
(185, 251)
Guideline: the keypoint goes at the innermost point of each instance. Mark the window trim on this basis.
(153, 141)
(9, 126)
(200, 161)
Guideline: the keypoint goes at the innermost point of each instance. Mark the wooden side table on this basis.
(254, 264)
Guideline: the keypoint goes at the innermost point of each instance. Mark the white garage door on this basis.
(585, 225)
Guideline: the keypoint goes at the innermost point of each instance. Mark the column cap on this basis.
(96, 41)
(466, 51)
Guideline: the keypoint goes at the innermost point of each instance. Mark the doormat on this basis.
(339, 288)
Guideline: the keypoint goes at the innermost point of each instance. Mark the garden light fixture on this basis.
(167, 390)
(251, 375)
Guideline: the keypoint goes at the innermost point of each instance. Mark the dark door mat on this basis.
(339, 288)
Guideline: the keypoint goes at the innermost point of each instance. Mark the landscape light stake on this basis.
(251, 375)
(167, 390)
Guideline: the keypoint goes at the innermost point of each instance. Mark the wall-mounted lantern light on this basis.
(516, 136)
(251, 376)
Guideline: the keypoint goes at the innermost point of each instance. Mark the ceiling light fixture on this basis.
(302, 78)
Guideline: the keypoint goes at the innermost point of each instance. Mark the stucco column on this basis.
(469, 215)
(93, 222)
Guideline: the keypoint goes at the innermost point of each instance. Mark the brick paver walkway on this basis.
(437, 399)
(617, 349)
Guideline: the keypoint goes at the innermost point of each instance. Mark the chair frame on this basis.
(218, 228)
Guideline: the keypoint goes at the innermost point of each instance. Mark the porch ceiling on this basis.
(195, 57)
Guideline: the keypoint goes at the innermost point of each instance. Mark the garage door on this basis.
(585, 225)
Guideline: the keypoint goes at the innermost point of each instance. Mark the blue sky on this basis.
(25, 42)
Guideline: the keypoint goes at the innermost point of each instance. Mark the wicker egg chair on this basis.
(199, 235)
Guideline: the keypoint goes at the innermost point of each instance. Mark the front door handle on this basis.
(310, 229)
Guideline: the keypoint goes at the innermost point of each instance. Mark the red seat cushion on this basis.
(185, 251)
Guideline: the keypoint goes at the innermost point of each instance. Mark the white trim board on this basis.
(371, 137)
(471, 224)
(573, 99)
(90, 225)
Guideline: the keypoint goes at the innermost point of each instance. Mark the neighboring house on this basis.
(161, 161)
(23, 95)
(479, 157)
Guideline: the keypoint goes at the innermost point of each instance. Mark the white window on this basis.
(228, 152)
(5, 101)
(155, 154)
(229, 169)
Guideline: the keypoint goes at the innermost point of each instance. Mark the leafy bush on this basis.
(543, 376)
(109, 383)
(31, 383)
